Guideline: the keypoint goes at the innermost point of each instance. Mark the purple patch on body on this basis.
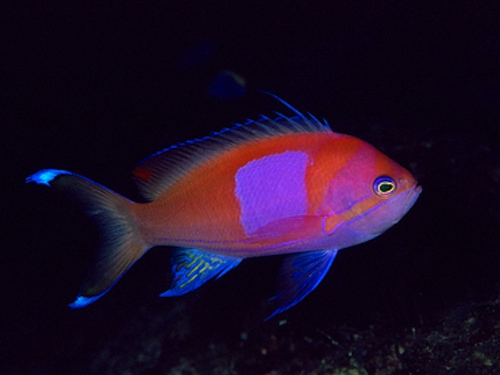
(272, 188)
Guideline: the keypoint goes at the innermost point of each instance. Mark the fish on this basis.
(279, 185)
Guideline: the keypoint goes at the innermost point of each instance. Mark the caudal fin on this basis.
(121, 243)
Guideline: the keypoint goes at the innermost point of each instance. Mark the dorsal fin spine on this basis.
(169, 165)
(286, 104)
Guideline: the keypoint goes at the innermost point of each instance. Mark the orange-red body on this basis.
(202, 211)
(281, 186)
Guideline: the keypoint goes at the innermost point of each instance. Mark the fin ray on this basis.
(192, 268)
(299, 275)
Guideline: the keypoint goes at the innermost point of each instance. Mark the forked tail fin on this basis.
(121, 243)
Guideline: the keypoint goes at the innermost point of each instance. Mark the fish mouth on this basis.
(393, 210)
(415, 193)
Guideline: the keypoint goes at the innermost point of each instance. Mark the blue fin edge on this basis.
(192, 268)
(299, 275)
(45, 176)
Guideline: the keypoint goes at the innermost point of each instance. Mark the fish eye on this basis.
(384, 186)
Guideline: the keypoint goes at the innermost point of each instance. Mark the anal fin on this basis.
(299, 275)
(191, 268)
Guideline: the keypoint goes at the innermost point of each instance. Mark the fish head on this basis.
(367, 195)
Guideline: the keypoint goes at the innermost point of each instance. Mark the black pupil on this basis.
(385, 187)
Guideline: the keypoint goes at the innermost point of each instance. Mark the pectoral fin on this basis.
(191, 268)
(299, 275)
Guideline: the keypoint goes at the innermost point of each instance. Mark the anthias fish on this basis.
(285, 185)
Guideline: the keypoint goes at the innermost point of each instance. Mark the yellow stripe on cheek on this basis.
(331, 223)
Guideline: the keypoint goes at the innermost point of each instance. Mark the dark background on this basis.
(94, 88)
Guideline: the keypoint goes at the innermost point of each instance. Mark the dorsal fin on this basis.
(156, 173)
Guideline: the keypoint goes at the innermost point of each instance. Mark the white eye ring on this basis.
(384, 186)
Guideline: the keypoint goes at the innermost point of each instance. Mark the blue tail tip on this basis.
(82, 301)
(45, 176)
